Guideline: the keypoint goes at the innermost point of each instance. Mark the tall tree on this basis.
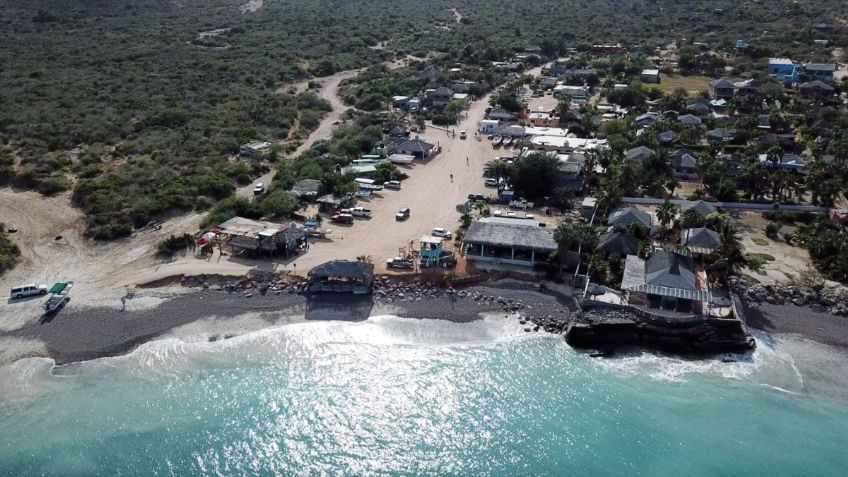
(666, 212)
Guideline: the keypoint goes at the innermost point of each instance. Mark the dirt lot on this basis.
(692, 84)
(102, 272)
(788, 260)
(54, 249)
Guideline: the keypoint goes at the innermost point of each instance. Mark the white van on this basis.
(392, 185)
(360, 212)
(28, 290)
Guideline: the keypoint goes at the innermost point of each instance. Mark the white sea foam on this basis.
(784, 363)
(171, 357)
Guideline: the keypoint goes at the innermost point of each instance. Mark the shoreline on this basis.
(207, 314)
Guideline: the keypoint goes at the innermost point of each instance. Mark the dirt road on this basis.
(329, 92)
(54, 249)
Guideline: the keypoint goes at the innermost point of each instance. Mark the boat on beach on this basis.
(58, 296)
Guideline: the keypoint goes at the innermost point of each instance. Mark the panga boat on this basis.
(58, 296)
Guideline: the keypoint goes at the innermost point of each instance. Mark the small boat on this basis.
(58, 296)
(507, 142)
(401, 159)
(601, 354)
(497, 141)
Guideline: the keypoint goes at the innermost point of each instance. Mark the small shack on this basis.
(432, 252)
(330, 203)
(243, 235)
(342, 276)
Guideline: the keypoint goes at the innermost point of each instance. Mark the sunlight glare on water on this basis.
(395, 396)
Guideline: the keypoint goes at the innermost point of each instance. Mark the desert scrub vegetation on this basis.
(136, 105)
(9, 252)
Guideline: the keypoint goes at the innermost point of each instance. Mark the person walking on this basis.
(451, 176)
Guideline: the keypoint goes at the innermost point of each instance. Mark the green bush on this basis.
(9, 252)
(772, 229)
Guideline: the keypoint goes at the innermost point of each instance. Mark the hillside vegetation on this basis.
(137, 105)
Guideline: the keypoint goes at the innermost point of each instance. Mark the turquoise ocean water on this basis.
(394, 396)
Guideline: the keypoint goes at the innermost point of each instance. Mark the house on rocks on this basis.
(668, 281)
(342, 276)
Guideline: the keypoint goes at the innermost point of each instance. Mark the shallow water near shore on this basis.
(395, 396)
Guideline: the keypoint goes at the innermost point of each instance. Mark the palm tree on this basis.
(729, 254)
(562, 110)
(497, 169)
(666, 213)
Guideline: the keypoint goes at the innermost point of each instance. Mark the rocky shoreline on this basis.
(834, 302)
(219, 307)
(605, 328)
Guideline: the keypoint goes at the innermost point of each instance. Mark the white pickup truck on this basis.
(361, 212)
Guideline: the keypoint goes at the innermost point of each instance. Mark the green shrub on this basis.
(772, 229)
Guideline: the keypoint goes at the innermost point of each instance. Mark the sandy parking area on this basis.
(102, 272)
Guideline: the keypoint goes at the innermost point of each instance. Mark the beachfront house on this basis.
(342, 276)
(253, 237)
(667, 281)
(618, 243)
(517, 242)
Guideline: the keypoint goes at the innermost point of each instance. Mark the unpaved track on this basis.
(329, 92)
(102, 271)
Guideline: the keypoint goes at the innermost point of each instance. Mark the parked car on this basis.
(491, 182)
(477, 197)
(28, 290)
(360, 212)
(342, 219)
(402, 214)
(463, 134)
(398, 262)
(441, 232)
(392, 185)
(259, 188)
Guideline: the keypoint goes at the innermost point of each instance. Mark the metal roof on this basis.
(510, 235)
(700, 238)
(629, 215)
(670, 269)
(617, 242)
(344, 268)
